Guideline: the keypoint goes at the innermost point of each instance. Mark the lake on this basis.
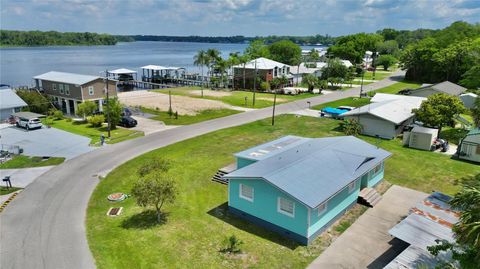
(18, 65)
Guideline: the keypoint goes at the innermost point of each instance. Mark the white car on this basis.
(29, 123)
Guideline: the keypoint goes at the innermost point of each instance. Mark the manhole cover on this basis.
(117, 197)
(114, 211)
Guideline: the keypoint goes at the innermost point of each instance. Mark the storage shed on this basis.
(469, 148)
(420, 137)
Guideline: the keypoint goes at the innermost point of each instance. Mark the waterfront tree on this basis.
(201, 59)
(285, 51)
(257, 49)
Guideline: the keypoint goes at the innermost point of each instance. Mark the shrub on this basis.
(264, 86)
(58, 115)
(96, 120)
(232, 245)
(68, 119)
(157, 164)
(351, 127)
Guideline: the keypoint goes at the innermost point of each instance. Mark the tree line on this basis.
(53, 38)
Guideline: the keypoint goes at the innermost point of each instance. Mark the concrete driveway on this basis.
(148, 126)
(367, 243)
(23, 177)
(46, 142)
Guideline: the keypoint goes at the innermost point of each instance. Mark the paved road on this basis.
(367, 243)
(44, 227)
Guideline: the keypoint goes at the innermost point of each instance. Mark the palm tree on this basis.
(201, 59)
(311, 80)
(233, 60)
(244, 59)
(213, 56)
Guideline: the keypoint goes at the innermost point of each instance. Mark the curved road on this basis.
(44, 226)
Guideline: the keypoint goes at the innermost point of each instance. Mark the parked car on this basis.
(29, 123)
(127, 121)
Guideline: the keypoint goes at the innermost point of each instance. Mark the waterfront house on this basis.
(386, 118)
(299, 186)
(446, 87)
(10, 103)
(266, 71)
(67, 90)
(469, 147)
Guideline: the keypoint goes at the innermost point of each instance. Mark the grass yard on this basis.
(198, 222)
(5, 190)
(85, 129)
(236, 98)
(22, 161)
(204, 115)
(395, 88)
(378, 75)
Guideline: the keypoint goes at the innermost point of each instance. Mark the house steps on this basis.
(218, 177)
(369, 197)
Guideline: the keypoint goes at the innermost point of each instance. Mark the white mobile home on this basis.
(385, 119)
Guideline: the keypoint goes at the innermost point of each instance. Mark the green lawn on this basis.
(395, 88)
(378, 75)
(22, 161)
(189, 119)
(237, 98)
(4, 190)
(85, 129)
(198, 222)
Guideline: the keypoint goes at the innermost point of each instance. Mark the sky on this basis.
(233, 17)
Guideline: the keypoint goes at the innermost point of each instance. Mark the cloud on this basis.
(232, 17)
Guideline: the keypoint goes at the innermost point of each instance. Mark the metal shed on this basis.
(420, 137)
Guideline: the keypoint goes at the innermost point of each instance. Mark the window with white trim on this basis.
(246, 192)
(90, 90)
(67, 89)
(286, 206)
(60, 87)
(54, 86)
(351, 187)
(322, 208)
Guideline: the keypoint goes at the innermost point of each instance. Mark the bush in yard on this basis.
(58, 115)
(96, 120)
(157, 164)
(154, 190)
(115, 109)
(232, 245)
(86, 108)
(264, 86)
(351, 127)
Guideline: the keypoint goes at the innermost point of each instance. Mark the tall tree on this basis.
(476, 112)
(244, 59)
(257, 49)
(201, 59)
(386, 60)
(471, 78)
(439, 110)
(213, 57)
(311, 81)
(285, 51)
(233, 60)
(114, 110)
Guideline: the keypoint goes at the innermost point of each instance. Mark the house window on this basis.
(67, 89)
(478, 149)
(275, 72)
(60, 86)
(286, 206)
(90, 90)
(351, 187)
(322, 208)
(54, 86)
(377, 169)
(246, 192)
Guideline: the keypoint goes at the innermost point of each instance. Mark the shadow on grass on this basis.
(222, 213)
(144, 220)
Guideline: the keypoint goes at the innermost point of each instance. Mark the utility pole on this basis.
(274, 103)
(170, 111)
(108, 103)
(254, 83)
(361, 85)
(373, 64)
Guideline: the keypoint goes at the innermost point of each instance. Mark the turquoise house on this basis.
(299, 186)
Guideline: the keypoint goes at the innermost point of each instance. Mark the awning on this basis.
(28, 115)
(122, 71)
(159, 67)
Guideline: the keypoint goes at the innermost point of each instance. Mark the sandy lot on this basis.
(209, 93)
(184, 105)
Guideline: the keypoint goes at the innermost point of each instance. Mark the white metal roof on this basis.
(302, 69)
(382, 97)
(9, 99)
(122, 71)
(159, 67)
(424, 130)
(395, 111)
(262, 64)
(70, 78)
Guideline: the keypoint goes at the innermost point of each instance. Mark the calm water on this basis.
(19, 65)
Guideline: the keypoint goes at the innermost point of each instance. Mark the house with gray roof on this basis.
(299, 186)
(10, 103)
(446, 87)
(68, 90)
(387, 116)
